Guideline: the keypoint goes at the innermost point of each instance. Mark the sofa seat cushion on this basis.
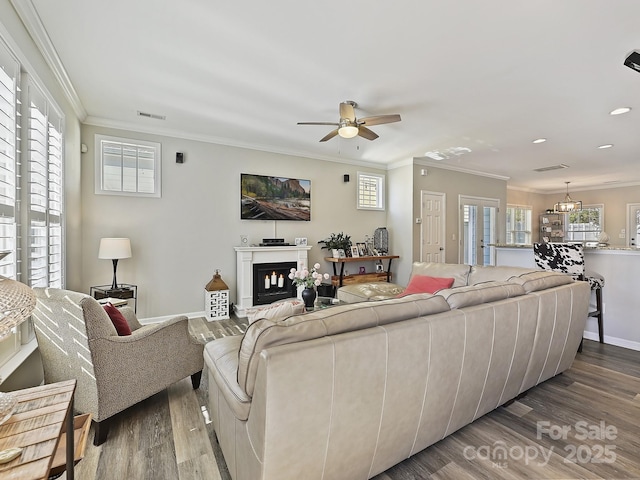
(263, 334)
(459, 272)
(221, 357)
(534, 281)
(365, 292)
(481, 293)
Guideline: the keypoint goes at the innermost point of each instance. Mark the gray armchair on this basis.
(77, 340)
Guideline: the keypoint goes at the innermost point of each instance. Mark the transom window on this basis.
(585, 225)
(127, 167)
(519, 224)
(370, 191)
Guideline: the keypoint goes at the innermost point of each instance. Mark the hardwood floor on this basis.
(597, 402)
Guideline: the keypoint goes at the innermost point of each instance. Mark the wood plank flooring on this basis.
(168, 437)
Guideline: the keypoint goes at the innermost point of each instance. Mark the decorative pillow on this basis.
(426, 284)
(283, 308)
(118, 320)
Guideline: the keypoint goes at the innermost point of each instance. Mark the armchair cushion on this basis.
(118, 320)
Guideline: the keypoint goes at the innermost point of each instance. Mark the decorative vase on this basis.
(309, 297)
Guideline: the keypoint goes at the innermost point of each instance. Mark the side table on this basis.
(36, 426)
(125, 291)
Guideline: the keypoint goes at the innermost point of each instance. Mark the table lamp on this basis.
(17, 301)
(114, 249)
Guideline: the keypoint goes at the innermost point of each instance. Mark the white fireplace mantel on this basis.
(247, 256)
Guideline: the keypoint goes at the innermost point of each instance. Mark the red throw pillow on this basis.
(118, 320)
(425, 284)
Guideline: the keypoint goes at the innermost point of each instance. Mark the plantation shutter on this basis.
(9, 150)
(45, 182)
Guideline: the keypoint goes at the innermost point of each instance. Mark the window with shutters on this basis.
(9, 148)
(519, 224)
(44, 197)
(127, 167)
(370, 191)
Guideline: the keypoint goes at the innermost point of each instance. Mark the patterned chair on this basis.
(77, 340)
(569, 258)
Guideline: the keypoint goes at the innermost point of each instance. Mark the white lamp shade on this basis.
(114, 248)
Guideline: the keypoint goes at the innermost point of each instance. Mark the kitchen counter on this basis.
(620, 267)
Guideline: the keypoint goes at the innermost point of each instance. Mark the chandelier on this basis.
(567, 205)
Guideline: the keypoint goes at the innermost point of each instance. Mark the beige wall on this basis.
(400, 181)
(453, 184)
(179, 240)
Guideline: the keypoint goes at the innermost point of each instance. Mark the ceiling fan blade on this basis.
(347, 112)
(318, 123)
(366, 133)
(329, 135)
(379, 119)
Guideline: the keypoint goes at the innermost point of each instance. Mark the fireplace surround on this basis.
(246, 257)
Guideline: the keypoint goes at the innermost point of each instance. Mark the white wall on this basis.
(179, 240)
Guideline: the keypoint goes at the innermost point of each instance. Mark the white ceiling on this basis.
(489, 76)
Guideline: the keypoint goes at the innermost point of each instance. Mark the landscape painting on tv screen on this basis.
(274, 198)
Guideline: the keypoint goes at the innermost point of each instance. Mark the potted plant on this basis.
(336, 242)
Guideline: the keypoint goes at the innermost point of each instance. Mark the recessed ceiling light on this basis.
(606, 145)
(620, 111)
(539, 140)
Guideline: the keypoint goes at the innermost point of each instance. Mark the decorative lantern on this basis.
(381, 240)
(216, 299)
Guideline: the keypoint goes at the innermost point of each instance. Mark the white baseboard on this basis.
(619, 342)
(147, 321)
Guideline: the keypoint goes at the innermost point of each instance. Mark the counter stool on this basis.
(569, 258)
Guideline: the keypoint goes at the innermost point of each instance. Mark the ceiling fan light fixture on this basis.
(348, 131)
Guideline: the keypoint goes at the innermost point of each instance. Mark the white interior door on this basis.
(432, 227)
(478, 230)
(633, 225)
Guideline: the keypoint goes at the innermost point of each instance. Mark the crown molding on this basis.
(444, 166)
(167, 132)
(31, 20)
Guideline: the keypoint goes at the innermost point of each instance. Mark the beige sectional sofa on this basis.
(349, 391)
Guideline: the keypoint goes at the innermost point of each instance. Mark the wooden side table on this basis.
(36, 426)
(361, 277)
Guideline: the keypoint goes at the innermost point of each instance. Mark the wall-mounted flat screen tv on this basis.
(274, 198)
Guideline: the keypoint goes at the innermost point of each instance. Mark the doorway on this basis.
(633, 225)
(432, 227)
(478, 230)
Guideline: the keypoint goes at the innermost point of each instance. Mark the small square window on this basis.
(127, 167)
(370, 191)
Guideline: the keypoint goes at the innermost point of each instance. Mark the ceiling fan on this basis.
(349, 126)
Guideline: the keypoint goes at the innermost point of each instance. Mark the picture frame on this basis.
(362, 249)
(341, 253)
(354, 251)
(379, 268)
(301, 241)
(362, 270)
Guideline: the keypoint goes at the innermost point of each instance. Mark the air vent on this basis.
(151, 115)
(551, 167)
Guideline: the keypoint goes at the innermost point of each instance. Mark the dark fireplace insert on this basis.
(271, 282)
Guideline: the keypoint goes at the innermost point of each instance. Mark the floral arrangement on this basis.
(306, 278)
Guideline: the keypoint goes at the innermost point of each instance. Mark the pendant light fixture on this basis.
(568, 205)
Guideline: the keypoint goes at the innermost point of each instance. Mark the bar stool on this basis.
(569, 258)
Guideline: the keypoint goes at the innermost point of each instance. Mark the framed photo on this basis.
(354, 251)
(379, 267)
(341, 253)
(362, 249)
(301, 241)
(362, 271)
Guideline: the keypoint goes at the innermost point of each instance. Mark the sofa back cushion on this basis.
(541, 280)
(481, 293)
(459, 272)
(488, 273)
(266, 333)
